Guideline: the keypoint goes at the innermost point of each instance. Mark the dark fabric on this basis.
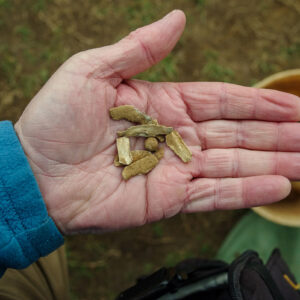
(250, 279)
(254, 287)
(277, 267)
(247, 278)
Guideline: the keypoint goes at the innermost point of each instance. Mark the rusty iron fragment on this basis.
(123, 146)
(175, 142)
(136, 155)
(129, 113)
(161, 138)
(141, 166)
(153, 122)
(139, 154)
(145, 130)
(138, 162)
(116, 161)
(160, 153)
(151, 144)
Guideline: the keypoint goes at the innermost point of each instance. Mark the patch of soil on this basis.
(112, 262)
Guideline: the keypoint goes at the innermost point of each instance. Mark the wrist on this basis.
(18, 131)
(36, 172)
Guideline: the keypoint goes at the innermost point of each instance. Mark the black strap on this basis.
(267, 278)
(250, 260)
(234, 274)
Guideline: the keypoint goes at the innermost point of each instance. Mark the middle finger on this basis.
(256, 135)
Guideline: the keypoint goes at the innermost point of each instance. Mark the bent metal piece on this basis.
(129, 113)
(123, 146)
(141, 166)
(176, 143)
(145, 130)
(136, 155)
(143, 161)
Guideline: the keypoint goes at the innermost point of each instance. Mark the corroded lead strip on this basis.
(146, 130)
(130, 113)
(141, 166)
(123, 146)
(136, 155)
(161, 138)
(160, 153)
(151, 144)
(153, 122)
(175, 142)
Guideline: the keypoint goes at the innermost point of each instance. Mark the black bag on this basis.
(246, 278)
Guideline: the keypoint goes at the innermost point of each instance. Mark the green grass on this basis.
(5, 4)
(214, 71)
(148, 268)
(140, 13)
(8, 65)
(40, 5)
(166, 70)
(29, 67)
(24, 32)
(158, 230)
(267, 67)
(292, 51)
(173, 258)
(200, 3)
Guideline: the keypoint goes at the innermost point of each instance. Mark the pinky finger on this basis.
(234, 193)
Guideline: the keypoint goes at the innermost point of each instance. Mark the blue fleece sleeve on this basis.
(26, 230)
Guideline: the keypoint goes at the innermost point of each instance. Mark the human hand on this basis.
(249, 138)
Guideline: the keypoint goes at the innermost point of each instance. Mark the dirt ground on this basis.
(235, 41)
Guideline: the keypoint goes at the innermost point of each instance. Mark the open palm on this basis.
(238, 136)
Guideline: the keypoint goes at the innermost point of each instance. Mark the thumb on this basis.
(139, 50)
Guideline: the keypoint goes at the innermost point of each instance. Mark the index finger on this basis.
(209, 100)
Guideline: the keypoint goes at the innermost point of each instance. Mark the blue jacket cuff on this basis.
(27, 232)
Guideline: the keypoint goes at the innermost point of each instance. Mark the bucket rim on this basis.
(277, 76)
(264, 211)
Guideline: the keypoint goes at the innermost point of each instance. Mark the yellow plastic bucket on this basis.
(287, 211)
